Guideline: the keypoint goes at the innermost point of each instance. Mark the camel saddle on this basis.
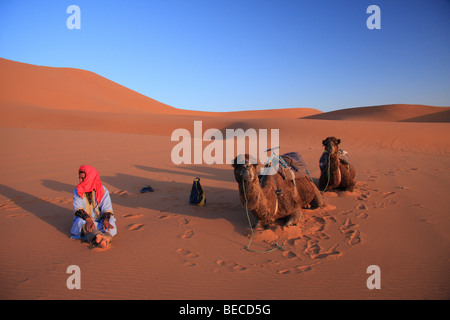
(292, 166)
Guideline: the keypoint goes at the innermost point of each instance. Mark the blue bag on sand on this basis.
(198, 196)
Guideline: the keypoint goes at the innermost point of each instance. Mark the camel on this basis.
(272, 197)
(335, 173)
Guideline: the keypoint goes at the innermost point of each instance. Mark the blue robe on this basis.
(104, 205)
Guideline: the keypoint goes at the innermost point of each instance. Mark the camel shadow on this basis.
(53, 214)
(173, 197)
(58, 186)
(192, 171)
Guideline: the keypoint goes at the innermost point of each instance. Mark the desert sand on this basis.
(55, 119)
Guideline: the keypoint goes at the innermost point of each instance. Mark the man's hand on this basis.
(106, 225)
(90, 225)
(106, 216)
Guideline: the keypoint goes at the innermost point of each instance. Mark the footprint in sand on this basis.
(132, 216)
(387, 194)
(298, 269)
(183, 221)
(15, 215)
(290, 254)
(354, 238)
(8, 207)
(381, 205)
(295, 270)
(187, 234)
(313, 225)
(347, 224)
(232, 266)
(121, 193)
(186, 254)
(166, 215)
(238, 267)
(188, 263)
(351, 234)
(135, 227)
(362, 216)
(312, 249)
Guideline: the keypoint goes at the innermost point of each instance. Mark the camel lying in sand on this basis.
(271, 197)
(336, 173)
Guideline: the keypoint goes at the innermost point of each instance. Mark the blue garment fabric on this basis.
(104, 205)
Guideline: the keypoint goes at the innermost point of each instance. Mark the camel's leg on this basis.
(258, 226)
(348, 178)
(351, 187)
(317, 201)
(323, 182)
(295, 218)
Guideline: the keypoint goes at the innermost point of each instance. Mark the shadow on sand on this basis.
(171, 196)
(58, 217)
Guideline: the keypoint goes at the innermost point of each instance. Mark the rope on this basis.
(283, 248)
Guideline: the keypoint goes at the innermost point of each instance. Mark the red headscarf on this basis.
(91, 182)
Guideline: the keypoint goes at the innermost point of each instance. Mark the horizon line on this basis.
(239, 110)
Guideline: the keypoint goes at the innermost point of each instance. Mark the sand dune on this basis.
(70, 89)
(79, 90)
(439, 116)
(389, 113)
(397, 218)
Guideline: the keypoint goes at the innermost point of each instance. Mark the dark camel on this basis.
(270, 197)
(335, 173)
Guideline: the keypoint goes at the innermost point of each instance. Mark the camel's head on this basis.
(331, 144)
(244, 168)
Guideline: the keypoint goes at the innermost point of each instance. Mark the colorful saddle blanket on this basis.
(296, 164)
(343, 157)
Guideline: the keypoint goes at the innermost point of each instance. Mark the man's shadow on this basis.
(51, 213)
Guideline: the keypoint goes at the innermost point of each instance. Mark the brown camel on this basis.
(272, 197)
(336, 173)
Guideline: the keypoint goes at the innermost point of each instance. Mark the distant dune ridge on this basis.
(391, 112)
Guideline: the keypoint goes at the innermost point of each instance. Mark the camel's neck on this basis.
(335, 175)
(334, 161)
(250, 192)
(254, 192)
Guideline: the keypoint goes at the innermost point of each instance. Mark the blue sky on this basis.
(227, 55)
